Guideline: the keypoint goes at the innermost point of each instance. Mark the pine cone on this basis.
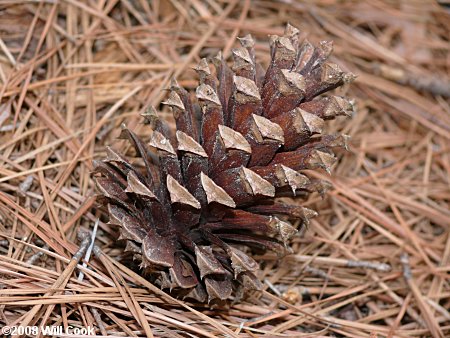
(204, 198)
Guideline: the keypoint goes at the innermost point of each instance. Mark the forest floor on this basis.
(374, 263)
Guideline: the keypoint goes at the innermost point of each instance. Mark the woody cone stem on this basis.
(205, 197)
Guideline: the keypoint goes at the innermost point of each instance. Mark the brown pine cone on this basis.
(205, 198)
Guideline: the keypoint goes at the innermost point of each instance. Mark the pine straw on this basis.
(375, 263)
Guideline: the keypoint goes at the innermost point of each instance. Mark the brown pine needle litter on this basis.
(374, 263)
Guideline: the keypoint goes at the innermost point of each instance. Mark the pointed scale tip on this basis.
(293, 178)
(113, 156)
(313, 123)
(292, 82)
(338, 106)
(151, 117)
(326, 159)
(206, 93)
(305, 54)
(218, 288)
(160, 142)
(285, 49)
(285, 230)
(272, 40)
(268, 129)
(218, 59)
(323, 187)
(123, 132)
(256, 184)
(188, 144)
(331, 73)
(174, 84)
(325, 48)
(242, 57)
(344, 106)
(179, 194)
(341, 141)
(207, 263)
(137, 187)
(349, 77)
(321, 159)
(203, 67)
(215, 193)
(233, 139)
(247, 41)
(250, 281)
(291, 31)
(174, 100)
(247, 87)
(241, 262)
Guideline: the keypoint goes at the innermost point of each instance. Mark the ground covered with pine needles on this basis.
(374, 263)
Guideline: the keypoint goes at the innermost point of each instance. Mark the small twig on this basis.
(338, 262)
(36, 256)
(272, 287)
(25, 185)
(369, 265)
(432, 84)
(89, 250)
(316, 272)
(85, 238)
(427, 314)
(99, 321)
(62, 280)
(404, 259)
